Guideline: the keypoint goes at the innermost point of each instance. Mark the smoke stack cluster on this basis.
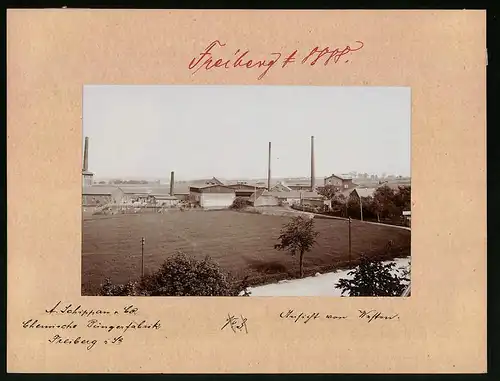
(313, 176)
(269, 169)
(86, 155)
(171, 183)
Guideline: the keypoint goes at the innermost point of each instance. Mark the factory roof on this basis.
(245, 186)
(164, 197)
(294, 194)
(206, 187)
(100, 190)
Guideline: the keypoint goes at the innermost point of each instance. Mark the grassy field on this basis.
(242, 243)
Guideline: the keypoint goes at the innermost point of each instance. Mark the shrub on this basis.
(238, 203)
(128, 289)
(181, 275)
(373, 278)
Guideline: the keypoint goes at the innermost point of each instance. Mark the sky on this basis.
(224, 131)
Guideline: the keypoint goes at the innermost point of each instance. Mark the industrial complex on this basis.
(210, 193)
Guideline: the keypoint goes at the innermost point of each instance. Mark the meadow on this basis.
(241, 243)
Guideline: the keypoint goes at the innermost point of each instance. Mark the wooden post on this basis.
(142, 257)
(349, 240)
(361, 207)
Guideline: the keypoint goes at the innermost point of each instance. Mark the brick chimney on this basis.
(86, 155)
(313, 176)
(171, 183)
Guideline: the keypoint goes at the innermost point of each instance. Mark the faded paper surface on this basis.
(440, 55)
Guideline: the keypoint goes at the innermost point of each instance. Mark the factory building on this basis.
(306, 198)
(244, 191)
(101, 196)
(164, 200)
(212, 196)
(340, 182)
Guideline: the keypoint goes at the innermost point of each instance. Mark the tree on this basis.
(297, 236)
(339, 203)
(402, 198)
(327, 191)
(383, 200)
(373, 278)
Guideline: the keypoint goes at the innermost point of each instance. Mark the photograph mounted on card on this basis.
(189, 192)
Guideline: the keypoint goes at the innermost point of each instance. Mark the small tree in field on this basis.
(297, 236)
(372, 278)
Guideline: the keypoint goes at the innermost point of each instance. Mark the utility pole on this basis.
(361, 207)
(142, 257)
(349, 240)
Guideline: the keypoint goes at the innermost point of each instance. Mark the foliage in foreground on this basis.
(180, 275)
(297, 236)
(374, 278)
(238, 203)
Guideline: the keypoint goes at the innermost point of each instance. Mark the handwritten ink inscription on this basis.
(236, 324)
(90, 324)
(212, 58)
(363, 315)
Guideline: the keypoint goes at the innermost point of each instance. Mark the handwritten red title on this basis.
(211, 59)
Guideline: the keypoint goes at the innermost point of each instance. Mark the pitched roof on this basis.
(365, 192)
(183, 187)
(281, 184)
(342, 177)
(211, 186)
(244, 186)
(256, 195)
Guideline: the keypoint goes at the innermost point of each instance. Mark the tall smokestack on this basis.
(171, 183)
(313, 176)
(86, 155)
(269, 169)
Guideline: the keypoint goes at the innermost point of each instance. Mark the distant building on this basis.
(181, 189)
(363, 192)
(212, 196)
(266, 198)
(280, 187)
(263, 198)
(100, 196)
(88, 178)
(407, 217)
(165, 200)
(340, 182)
(244, 190)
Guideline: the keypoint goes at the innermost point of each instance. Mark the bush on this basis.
(181, 275)
(373, 278)
(128, 289)
(239, 203)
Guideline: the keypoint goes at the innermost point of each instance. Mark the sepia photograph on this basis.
(246, 191)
